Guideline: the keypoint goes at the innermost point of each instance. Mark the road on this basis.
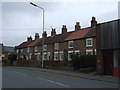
(13, 77)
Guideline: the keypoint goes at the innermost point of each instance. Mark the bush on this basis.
(75, 61)
(87, 61)
(83, 61)
(12, 57)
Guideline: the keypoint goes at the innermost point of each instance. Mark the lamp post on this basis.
(43, 31)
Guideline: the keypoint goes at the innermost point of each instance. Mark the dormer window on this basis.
(70, 44)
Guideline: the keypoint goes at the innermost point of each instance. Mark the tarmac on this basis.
(102, 78)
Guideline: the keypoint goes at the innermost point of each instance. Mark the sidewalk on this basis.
(103, 78)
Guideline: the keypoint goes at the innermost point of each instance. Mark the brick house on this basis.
(58, 47)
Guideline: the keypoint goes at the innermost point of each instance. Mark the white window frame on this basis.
(21, 50)
(77, 51)
(45, 47)
(95, 52)
(30, 56)
(56, 46)
(48, 55)
(89, 51)
(21, 56)
(38, 56)
(17, 57)
(69, 59)
(44, 56)
(17, 51)
(61, 55)
(35, 49)
(28, 49)
(89, 42)
(69, 42)
(56, 54)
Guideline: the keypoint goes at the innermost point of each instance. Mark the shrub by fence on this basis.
(83, 61)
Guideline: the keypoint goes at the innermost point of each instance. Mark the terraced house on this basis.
(58, 47)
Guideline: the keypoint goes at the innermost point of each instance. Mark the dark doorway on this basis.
(108, 62)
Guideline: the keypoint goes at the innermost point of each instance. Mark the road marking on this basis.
(20, 73)
(53, 82)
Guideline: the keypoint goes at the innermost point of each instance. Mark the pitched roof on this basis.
(91, 33)
(24, 44)
(55, 39)
(78, 34)
(35, 42)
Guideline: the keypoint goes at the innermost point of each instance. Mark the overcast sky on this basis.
(20, 19)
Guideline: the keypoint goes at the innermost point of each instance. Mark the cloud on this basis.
(20, 19)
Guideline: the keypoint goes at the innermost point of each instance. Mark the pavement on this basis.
(102, 78)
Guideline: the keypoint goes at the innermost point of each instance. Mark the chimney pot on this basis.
(36, 36)
(93, 22)
(53, 32)
(64, 29)
(77, 26)
(29, 39)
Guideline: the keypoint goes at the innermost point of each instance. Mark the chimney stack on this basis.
(36, 36)
(77, 26)
(29, 39)
(93, 22)
(64, 29)
(44, 34)
(53, 32)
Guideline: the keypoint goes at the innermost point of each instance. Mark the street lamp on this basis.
(43, 32)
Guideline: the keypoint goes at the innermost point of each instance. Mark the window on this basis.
(17, 51)
(45, 56)
(48, 55)
(35, 49)
(77, 52)
(56, 46)
(21, 50)
(89, 52)
(55, 55)
(69, 55)
(38, 56)
(61, 55)
(28, 49)
(45, 47)
(89, 42)
(95, 51)
(30, 56)
(70, 44)
(17, 57)
(21, 56)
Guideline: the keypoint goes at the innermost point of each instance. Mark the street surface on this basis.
(13, 77)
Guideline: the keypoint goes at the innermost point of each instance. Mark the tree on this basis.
(12, 57)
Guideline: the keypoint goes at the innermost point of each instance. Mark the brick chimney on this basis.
(93, 22)
(77, 26)
(36, 36)
(29, 39)
(44, 34)
(64, 29)
(53, 32)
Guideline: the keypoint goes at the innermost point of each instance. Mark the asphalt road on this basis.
(13, 77)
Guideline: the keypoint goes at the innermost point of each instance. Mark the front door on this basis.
(108, 62)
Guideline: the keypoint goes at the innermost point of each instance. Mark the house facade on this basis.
(58, 47)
